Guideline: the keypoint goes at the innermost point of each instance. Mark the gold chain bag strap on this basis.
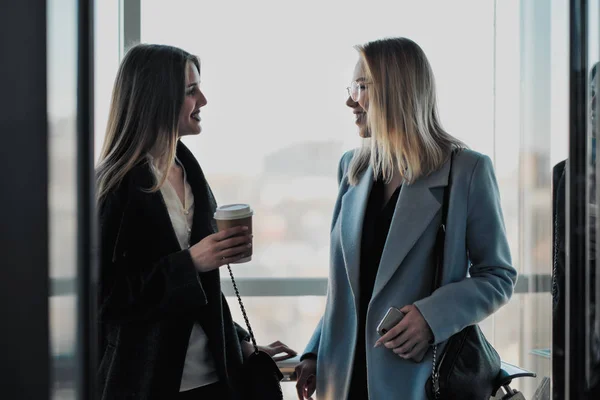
(261, 375)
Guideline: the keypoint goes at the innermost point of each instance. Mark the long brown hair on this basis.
(402, 115)
(146, 100)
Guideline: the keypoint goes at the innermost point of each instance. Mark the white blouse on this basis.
(199, 368)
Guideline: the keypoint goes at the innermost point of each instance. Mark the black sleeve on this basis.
(241, 332)
(132, 290)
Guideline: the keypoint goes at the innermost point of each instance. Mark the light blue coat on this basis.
(475, 237)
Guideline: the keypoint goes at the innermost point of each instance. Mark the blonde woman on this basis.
(383, 234)
(165, 328)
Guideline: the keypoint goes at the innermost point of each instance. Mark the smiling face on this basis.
(189, 116)
(358, 100)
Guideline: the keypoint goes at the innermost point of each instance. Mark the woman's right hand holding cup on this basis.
(227, 246)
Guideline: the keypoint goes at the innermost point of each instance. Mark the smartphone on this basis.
(390, 319)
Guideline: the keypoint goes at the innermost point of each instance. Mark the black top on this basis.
(376, 225)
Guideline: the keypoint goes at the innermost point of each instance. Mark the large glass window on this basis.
(276, 125)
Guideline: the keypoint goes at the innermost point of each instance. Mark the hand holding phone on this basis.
(410, 341)
(391, 318)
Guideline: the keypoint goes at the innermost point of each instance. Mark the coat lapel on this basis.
(203, 224)
(417, 205)
(352, 212)
(142, 179)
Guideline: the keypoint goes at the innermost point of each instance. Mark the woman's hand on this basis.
(306, 373)
(273, 349)
(218, 249)
(278, 348)
(411, 337)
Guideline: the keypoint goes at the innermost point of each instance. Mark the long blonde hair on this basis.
(402, 115)
(147, 97)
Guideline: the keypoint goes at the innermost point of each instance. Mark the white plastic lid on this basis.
(233, 211)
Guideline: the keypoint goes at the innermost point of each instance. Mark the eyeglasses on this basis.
(356, 88)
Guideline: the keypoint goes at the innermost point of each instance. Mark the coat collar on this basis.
(417, 205)
(352, 215)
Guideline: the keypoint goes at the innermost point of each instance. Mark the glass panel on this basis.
(106, 49)
(62, 114)
(531, 126)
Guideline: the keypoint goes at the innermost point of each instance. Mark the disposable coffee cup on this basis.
(231, 215)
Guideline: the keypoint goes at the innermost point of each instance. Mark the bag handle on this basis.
(439, 270)
(237, 293)
(441, 235)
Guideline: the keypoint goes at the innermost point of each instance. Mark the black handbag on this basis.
(260, 374)
(469, 365)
